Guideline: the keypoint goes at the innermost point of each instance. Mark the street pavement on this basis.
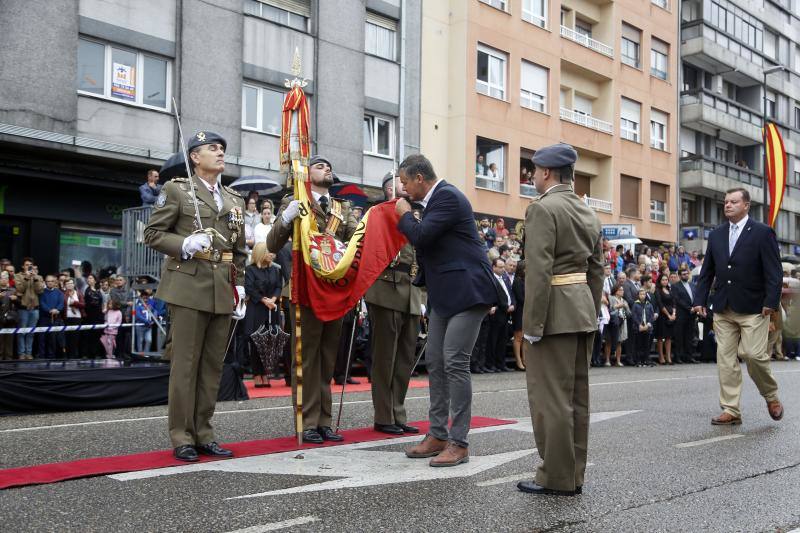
(656, 464)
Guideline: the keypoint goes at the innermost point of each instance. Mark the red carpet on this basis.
(278, 388)
(100, 466)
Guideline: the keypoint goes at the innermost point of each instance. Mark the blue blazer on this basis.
(748, 279)
(452, 259)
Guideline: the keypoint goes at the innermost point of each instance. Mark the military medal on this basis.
(235, 220)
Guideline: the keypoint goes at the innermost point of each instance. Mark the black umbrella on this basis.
(263, 185)
(172, 167)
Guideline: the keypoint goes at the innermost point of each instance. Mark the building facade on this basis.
(501, 78)
(86, 89)
(740, 62)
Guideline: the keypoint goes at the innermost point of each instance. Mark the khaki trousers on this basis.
(320, 345)
(775, 344)
(197, 352)
(394, 342)
(744, 336)
(557, 371)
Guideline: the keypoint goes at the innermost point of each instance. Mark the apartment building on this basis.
(740, 62)
(86, 89)
(501, 78)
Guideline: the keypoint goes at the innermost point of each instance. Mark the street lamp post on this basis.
(765, 73)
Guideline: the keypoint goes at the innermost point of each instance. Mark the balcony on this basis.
(597, 204)
(586, 121)
(715, 115)
(704, 175)
(588, 42)
(713, 51)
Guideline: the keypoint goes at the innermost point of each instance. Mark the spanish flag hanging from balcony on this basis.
(776, 170)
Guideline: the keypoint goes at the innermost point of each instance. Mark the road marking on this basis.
(708, 441)
(510, 479)
(274, 526)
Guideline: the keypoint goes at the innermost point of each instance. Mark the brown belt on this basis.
(568, 279)
(215, 256)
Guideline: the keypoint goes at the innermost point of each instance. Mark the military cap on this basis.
(206, 137)
(555, 156)
(388, 177)
(319, 159)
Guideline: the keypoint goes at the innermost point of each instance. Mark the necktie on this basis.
(323, 203)
(732, 238)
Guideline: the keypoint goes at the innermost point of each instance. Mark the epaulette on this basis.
(233, 191)
(180, 180)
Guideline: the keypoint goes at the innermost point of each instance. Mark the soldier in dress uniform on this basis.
(395, 307)
(320, 339)
(563, 247)
(199, 279)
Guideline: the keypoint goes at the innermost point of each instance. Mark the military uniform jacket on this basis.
(562, 236)
(393, 288)
(196, 283)
(282, 232)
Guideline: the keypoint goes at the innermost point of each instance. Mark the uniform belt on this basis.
(215, 256)
(568, 279)
(402, 267)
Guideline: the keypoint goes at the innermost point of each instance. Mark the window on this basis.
(630, 118)
(659, 58)
(721, 151)
(782, 226)
(526, 187)
(491, 72)
(795, 179)
(582, 185)
(582, 104)
(124, 75)
(688, 209)
(663, 4)
(378, 136)
(797, 117)
(380, 36)
(533, 87)
(490, 164)
(262, 109)
(502, 5)
(535, 12)
(658, 201)
(658, 129)
(292, 13)
(631, 37)
(629, 196)
(771, 44)
(797, 228)
(583, 28)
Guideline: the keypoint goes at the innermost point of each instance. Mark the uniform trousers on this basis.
(744, 336)
(557, 371)
(196, 351)
(394, 343)
(319, 346)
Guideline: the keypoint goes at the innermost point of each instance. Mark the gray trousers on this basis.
(450, 344)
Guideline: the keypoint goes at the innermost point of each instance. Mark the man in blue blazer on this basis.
(455, 269)
(743, 262)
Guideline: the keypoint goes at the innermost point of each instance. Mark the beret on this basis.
(388, 177)
(206, 137)
(555, 156)
(314, 159)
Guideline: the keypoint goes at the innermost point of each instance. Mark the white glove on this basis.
(196, 242)
(241, 308)
(531, 339)
(422, 309)
(291, 212)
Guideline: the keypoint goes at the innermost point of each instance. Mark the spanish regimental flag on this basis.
(776, 170)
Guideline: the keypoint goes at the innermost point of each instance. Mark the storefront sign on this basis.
(618, 231)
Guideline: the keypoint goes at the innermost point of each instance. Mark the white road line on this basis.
(708, 441)
(274, 526)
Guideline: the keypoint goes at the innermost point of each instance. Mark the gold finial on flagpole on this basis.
(296, 70)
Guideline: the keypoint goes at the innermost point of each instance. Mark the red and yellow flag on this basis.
(295, 100)
(776, 170)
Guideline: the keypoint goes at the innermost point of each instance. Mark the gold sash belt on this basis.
(568, 279)
(215, 256)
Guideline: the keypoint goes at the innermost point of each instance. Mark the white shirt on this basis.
(505, 290)
(73, 312)
(424, 201)
(260, 233)
(511, 277)
(215, 193)
(739, 227)
(688, 289)
(317, 196)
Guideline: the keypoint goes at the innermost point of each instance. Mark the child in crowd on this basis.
(113, 321)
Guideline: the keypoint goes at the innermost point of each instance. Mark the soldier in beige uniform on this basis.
(563, 253)
(197, 281)
(395, 307)
(320, 340)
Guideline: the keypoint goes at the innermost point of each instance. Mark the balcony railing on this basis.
(586, 121)
(525, 189)
(735, 109)
(597, 204)
(588, 42)
(722, 168)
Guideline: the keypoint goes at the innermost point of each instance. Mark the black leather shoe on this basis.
(186, 453)
(694, 361)
(214, 449)
(351, 381)
(328, 434)
(476, 371)
(489, 370)
(312, 436)
(532, 488)
(408, 429)
(391, 429)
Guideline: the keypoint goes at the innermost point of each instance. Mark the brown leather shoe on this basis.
(451, 456)
(726, 419)
(429, 447)
(775, 409)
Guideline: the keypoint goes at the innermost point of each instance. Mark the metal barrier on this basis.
(138, 259)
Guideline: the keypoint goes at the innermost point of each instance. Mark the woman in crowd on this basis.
(251, 219)
(113, 321)
(8, 315)
(262, 284)
(93, 311)
(518, 289)
(262, 229)
(664, 327)
(616, 331)
(643, 325)
(73, 313)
